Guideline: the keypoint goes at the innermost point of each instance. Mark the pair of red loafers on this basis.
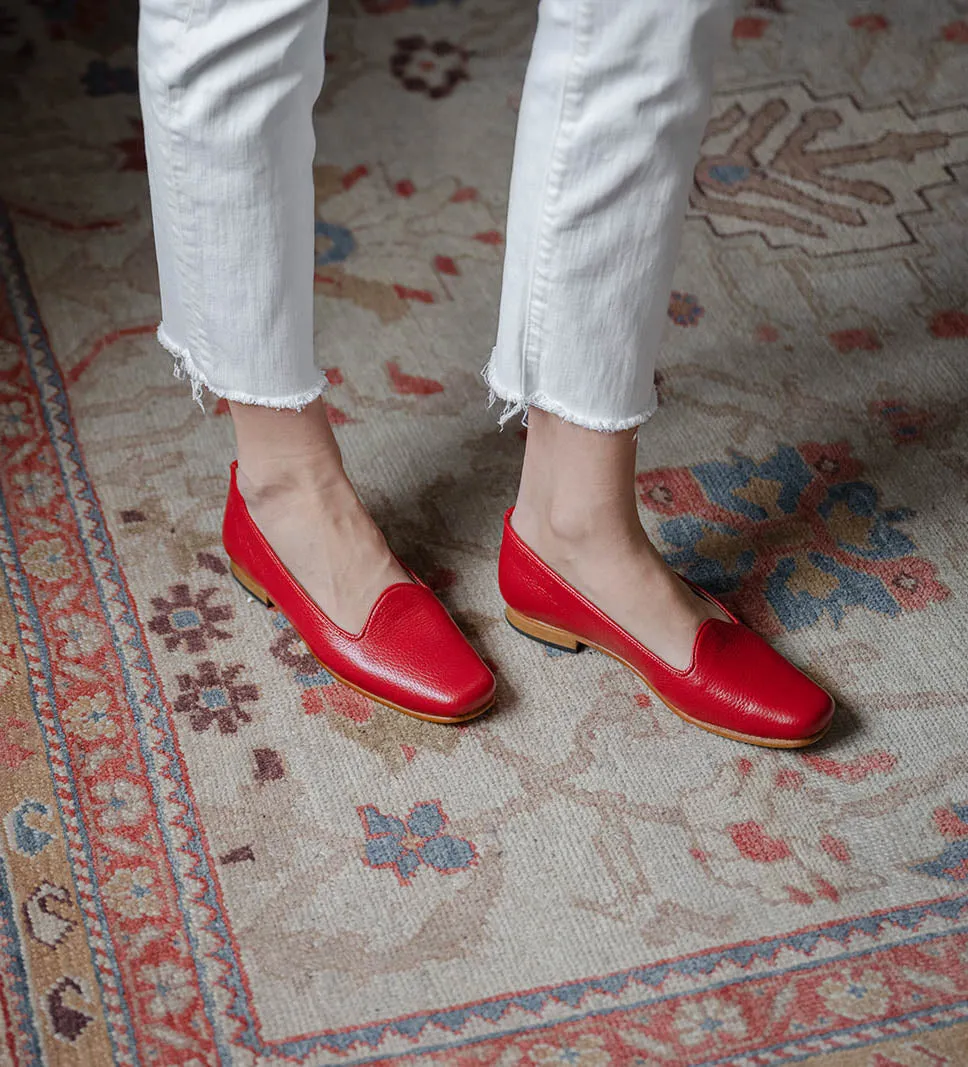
(411, 656)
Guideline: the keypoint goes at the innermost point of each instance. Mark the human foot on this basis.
(618, 569)
(319, 529)
(576, 509)
(736, 686)
(300, 540)
(291, 477)
(410, 655)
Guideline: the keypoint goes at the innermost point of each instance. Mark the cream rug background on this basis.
(213, 854)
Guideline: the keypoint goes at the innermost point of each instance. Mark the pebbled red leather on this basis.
(410, 652)
(736, 683)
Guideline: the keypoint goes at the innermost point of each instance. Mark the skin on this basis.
(576, 508)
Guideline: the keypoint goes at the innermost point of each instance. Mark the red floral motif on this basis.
(422, 296)
(353, 175)
(767, 333)
(12, 754)
(445, 265)
(749, 28)
(133, 148)
(336, 416)
(870, 22)
(833, 463)
(410, 384)
(950, 323)
(951, 863)
(835, 847)
(905, 424)
(672, 492)
(912, 583)
(949, 824)
(858, 340)
(756, 844)
(339, 699)
(826, 890)
(854, 770)
(956, 32)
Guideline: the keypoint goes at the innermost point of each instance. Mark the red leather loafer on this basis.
(736, 686)
(410, 655)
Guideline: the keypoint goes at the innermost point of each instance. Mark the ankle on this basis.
(263, 484)
(577, 485)
(573, 527)
(285, 451)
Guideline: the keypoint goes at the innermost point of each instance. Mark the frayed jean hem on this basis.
(186, 369)
(517, 403)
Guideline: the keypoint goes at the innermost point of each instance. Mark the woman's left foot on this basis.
(619, 596)
(616, 566)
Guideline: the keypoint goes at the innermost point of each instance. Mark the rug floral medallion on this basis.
(211, 853)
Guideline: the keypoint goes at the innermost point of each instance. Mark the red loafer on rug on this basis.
(410, 655)
(736, 686)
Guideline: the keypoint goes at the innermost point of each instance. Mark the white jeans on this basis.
(614, 104)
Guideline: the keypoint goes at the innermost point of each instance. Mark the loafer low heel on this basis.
(539, 631)
(251, 587)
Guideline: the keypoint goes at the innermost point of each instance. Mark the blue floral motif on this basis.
(684, 308)
(952, 863)
(402, 845)
(794, 537)
(334, 243)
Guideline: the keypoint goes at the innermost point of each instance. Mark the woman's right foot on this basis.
(325, 538)
(578, 569)
(300, 540)
(408, 653)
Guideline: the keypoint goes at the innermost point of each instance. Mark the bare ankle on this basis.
(577, 485)
(282, 451)
(267, 480)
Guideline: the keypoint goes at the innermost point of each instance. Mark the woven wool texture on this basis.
(212, 854)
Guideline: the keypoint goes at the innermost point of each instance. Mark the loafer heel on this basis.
(251, 587)
(539, 631)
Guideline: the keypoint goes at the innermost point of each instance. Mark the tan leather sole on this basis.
(254, 589)
(569, 642)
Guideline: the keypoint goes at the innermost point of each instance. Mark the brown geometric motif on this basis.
(802, 174)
